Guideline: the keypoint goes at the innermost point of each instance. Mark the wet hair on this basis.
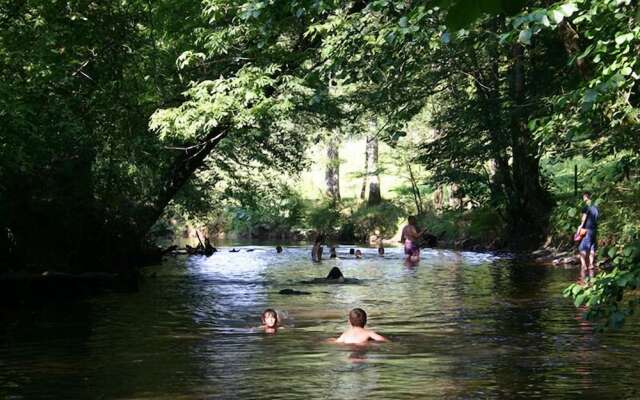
(357, 317)
(279, 249)
(587, 194)
(412, 220)
(381, 250)
(335, 273)
(267, 312)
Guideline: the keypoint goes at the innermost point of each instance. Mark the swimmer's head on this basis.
(358, 254)
(358, 318)
(269, 318)
(352, 251)
(335, 273)
(279, 249)
(381, 250)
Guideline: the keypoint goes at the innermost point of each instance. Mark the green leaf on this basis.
(579, 300)
(568, 9)
(626, 37)
(556, 16)
(525, 36)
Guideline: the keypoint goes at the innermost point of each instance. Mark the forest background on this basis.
(119, 118)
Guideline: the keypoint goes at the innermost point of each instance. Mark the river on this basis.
(462, 326)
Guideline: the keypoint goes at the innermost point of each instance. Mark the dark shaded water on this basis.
(463, 325)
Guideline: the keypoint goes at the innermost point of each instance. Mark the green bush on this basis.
(380, 220)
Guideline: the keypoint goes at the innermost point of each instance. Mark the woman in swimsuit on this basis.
(410, 236)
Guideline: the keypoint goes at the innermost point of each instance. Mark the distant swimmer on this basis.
(357, 333)
(234, 250)
(278, 249)
(358, 254)
(332, 253)
(334, 276)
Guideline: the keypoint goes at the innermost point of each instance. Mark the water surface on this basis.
(463, 326)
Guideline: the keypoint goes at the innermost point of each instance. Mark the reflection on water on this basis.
(463, 326)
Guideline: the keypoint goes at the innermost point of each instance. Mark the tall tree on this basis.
(374, 173)
(332, 174)
(365, 175)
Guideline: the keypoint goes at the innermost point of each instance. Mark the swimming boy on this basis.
(357, 333)
(269, 320)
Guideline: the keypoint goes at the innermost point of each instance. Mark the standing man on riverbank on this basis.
(588, 244)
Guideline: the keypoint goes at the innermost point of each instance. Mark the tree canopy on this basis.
(110, 111)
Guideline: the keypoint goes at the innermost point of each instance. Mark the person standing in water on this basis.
(409, 238)
(316, 251)
(588, 244)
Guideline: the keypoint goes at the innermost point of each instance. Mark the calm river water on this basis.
(463, 326)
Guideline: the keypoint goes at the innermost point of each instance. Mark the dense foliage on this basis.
(111, 111)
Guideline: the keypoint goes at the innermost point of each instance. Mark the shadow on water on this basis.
(462, 325)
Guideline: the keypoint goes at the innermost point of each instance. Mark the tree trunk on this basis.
(571, 42)
(374, 182)
(529, 208)
(417, 198)
(332, 174)
(365, 178)
(178, 175)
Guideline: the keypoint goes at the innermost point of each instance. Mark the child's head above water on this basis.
(335, 273)
(358, 254)
(358, 318)
(269, 318)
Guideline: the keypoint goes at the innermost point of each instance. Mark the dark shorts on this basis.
(410, 248)
(589, 242)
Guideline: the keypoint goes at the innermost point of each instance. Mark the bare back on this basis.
(357, 335)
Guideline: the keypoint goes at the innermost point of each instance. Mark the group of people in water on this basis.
(412, 239)
(356, 333)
